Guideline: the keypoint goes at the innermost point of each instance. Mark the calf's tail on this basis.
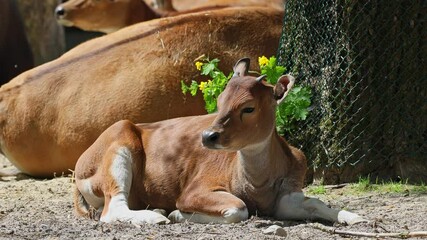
(81, 207)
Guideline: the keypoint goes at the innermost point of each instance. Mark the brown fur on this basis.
(103, 15)
(184, 5)
(49, 115)
(172, 170)
(109, 16)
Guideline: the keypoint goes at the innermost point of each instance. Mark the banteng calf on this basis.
(217, 168)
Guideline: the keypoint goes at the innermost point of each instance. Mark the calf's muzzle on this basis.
(210, 138)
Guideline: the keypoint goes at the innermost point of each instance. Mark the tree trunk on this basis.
(46, 37)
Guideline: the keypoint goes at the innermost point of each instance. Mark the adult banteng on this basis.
(108, 16)
(49, 115)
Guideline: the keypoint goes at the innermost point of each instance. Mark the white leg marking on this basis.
(349, 218)
(229, 215)
(121, 170)
(85, 188)
(234, 215)
(296, 206)
(290, 207)
(118, 209)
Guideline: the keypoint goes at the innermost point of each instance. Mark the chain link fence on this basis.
(365, 62)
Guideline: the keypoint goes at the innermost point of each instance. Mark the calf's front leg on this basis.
(295, 206)
(116, 179)
(210, 207)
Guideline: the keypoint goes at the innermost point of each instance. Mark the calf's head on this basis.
(246, 110)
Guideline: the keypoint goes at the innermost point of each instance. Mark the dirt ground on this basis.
(42, 209)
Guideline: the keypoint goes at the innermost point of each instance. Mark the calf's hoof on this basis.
(176, 217)
(137, 217)
(153, 217)
(349, 218)
(160, 211)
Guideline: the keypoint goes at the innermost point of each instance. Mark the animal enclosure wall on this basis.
(366, 64)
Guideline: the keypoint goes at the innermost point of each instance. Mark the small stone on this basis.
(275, 230)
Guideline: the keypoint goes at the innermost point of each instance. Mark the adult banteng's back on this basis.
(51, 114)
(108, 16)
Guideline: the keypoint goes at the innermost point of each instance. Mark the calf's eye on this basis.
(248, 110)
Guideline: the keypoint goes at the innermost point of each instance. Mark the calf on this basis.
(216, 168)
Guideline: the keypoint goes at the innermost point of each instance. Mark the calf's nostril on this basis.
(209, 137)
(59, 11)
(213, 137)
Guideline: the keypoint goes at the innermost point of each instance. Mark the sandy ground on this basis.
(42, 209)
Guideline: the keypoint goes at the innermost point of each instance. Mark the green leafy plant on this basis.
(293, 109)
(210, 89)
(269, 67)
(296, 104)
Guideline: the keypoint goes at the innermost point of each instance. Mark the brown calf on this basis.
(108, 16)
(51, 114)
(244, 167)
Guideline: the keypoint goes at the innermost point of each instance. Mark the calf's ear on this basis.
(282, 87)
(241, 67)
